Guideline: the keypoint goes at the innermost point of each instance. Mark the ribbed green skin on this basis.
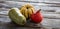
(20, 20)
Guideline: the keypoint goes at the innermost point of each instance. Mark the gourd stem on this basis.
(38, 10)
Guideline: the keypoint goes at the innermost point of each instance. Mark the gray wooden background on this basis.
(50, 11)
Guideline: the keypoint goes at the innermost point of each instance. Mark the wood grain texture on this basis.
(50, 12)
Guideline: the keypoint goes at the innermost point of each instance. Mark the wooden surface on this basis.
(50, 11)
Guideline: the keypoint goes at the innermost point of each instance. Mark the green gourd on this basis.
(16, 16)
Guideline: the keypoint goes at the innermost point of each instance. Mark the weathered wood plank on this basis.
(46, 22)
(51, 14)
(45, 14)
(51, 22)
(36, 4)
